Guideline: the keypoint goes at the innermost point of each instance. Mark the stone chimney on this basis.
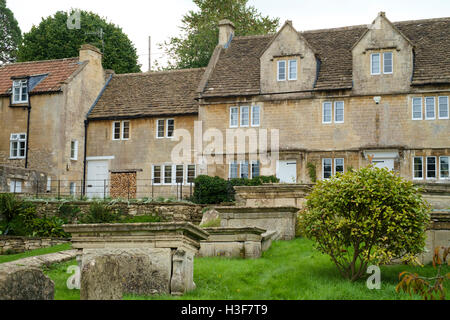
(92, 54)
(226, 30)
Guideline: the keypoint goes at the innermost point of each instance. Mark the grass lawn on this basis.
(288, 271)
(33, 253)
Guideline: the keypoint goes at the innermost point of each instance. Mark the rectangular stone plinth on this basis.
(232, 243)
(136, 259)
(279, 219)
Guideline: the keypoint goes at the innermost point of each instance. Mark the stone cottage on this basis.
(339, 98)
(43, 106)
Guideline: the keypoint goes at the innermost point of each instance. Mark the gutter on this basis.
(28, 123)
(86, 125)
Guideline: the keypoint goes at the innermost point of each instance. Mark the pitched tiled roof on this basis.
(57, 72)
(149, 94)
(238, 70)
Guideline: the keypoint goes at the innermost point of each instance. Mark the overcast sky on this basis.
(161, 19)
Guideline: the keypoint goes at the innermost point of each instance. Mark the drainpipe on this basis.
(28, 123)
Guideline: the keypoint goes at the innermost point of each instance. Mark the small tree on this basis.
(368, 216)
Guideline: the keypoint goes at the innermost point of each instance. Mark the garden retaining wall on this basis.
(12, 245)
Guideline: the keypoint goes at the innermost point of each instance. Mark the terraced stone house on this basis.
(340, 98)
(43, 105)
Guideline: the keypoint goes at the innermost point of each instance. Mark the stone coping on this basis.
(129, 229)
(235, 231)
(112, 203)
(6, 237)
(42, 260)
(243, 209)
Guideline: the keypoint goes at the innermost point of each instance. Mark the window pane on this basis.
(429, 107)
(14, 149)
(116, 130)
(244, 169)
(255, 116)
(418, 168)
(255, 169)
(417, 108)
(375, 63)
(327, 168)
(180, 174)
(327, 112)
(21, 149)
(431, 167)
(292, 69)
(72, 149)
(170, 127)
(234, 115)
(126, 130)
(444, 167)
(443, 107)
(161, 128)
(191, 173)
(156, 174)
(387, 58)
(168, 174)
(339, 165)
(233, 170)
(281, 70)
(339, 111)
(244, 116)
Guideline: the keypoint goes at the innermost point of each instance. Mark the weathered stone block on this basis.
(24, 283)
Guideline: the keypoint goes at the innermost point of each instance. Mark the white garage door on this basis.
(384, 163)
(97, 179)
(287, 171)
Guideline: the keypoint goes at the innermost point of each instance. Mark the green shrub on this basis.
(139, 219)
(28, 224)
(68, 212)
(215, 223)
(215, 190)
(368, 216)
(99, 212)
(312, 172)
(10, 206)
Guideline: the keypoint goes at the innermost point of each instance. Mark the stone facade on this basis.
(56, 118)
(31, 181)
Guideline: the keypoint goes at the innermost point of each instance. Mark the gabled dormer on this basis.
(382, 59)
(288, 63)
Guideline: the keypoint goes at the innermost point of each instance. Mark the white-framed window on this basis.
(156, 174)
(125, 130)
(417, 109)
(245, 116)
(292, 70)
(256, 116)
(168, 174)
(170, 127)
(233, 170)
(191, 173)
(430, 108)
(375, 64)
(49, 184)
(339, 112)
(327, 168)
(443, 108)
(20, 91)
(74, 150)
(234, 117)
(73, 188)
(160, 128)
(15, 186)
(255, 169)
(388, 64)
(179, 173)
(327, 112)
(281, 76)
(18, 145)
(244, 169)
(121, 130)
(444, 163)
(418, 168)
(338, 165)
(431, 168)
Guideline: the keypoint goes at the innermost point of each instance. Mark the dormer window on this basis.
(292, 69)
(20, 91)
(282, 70)
(381, 61)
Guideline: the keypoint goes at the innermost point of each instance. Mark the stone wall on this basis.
(31, 180)
(280, 195)
(168, 212)
(12, 245)
(438, 235)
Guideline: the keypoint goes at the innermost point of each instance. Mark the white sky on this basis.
(161, 19)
